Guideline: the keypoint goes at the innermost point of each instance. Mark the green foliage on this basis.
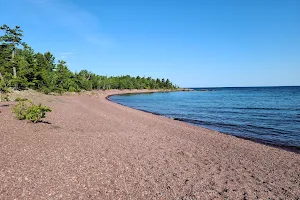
(3, 87)
(20, 110)
(28, 110)
(20, 99)
(37, 112)
(4, 98)
(12, 36)
(40, 72)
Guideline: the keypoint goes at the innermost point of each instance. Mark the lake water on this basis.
(265, 114)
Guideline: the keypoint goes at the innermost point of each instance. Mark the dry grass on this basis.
(33, 95)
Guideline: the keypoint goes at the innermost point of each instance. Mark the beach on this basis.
(92, 148)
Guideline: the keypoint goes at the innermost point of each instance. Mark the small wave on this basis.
(248, 108)
(195, 121)
(245, 128)
(205, 90)
(255, 108)
(154, 113)
(274, 130)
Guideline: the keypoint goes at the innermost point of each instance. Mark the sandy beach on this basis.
(92, 148)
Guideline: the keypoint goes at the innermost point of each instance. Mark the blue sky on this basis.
(191, 42)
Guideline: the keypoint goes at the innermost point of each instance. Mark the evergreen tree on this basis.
(21, 67)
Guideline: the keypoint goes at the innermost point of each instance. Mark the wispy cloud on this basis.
(69, 15)
(66, 53)
(102, 41)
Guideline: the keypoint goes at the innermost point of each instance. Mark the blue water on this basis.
(265, 114)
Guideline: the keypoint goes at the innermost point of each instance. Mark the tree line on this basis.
(22, 68)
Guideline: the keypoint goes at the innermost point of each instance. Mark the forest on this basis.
(22, 68)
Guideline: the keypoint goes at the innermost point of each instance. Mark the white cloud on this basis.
(66, 53)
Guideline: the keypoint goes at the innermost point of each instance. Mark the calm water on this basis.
(265, 114)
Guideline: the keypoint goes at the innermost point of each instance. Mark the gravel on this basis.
(91, 148)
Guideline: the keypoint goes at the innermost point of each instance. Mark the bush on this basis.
(37, 112)
(3, 87)
(20, 110)
(28, 110)
(20, 99)
(4, 98)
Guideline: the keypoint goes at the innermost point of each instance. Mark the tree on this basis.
(22, 68)
(64, 81)
(12, 38)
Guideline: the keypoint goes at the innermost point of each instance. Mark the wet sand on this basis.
(91, 148)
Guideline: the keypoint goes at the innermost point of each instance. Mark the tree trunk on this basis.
(12, 57)
(13, 54)
(1, 77)
(15, 72)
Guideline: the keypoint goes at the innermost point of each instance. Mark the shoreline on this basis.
(92, 148)
(293, 149)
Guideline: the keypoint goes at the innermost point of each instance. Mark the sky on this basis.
(194, 43)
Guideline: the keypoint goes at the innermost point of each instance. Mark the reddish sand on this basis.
(91, 148)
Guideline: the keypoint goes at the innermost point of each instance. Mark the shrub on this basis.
(3, 87)
(4, 98)
(30, 111)
(20, 99)
(37, 112)
(20, 110)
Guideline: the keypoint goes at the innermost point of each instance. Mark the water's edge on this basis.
(283, 147)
